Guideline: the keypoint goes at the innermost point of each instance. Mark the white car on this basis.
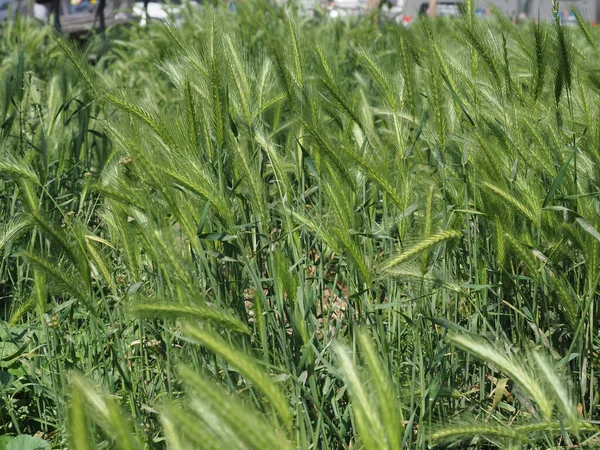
(157, 10)
(342, 8)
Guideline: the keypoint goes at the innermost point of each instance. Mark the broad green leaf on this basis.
(24, 442)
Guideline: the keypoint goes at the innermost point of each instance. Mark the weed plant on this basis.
(263, 230)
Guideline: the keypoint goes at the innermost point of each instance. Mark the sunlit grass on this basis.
(262, 230)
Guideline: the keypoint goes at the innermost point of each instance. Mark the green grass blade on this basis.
(247, 367)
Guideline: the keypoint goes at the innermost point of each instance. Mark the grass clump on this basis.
(262, 230)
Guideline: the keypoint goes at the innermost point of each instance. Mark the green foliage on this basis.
(23, 442)
(264, 230)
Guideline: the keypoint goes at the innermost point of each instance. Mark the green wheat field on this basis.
(263, 230)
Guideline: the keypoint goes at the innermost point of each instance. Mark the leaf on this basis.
(222, 237)
(468, 431)
(134, 287)
(499, 392)
(447, 324)
(407, 212)
(558, 179)
(97, 133)
(457, 98)
(308, 161)
(204, 217)
(418, 132)
(25, 442)
(10, 351)
(7, 349)
(587, 227)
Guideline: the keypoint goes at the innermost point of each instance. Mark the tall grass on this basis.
(259, 230)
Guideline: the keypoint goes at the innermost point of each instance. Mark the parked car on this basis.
(513, 9)
(391, 9)
(542, 9)
(70, 16)
(157, 10)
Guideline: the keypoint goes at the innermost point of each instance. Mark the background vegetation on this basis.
(262, 230)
